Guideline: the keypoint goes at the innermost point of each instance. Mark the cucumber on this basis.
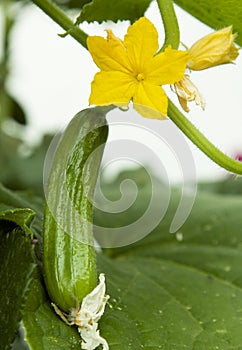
(69, 258)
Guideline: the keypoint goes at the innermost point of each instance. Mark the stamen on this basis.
(187, 92)
(140, 77)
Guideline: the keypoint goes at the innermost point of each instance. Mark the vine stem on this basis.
(202, 142)
(54, 12)
(172, 32)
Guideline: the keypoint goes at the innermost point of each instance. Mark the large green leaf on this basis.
(16, 257)
(169, 306)
(17, 264)
(216, 14)
(179, 291)
(103, 10)
(167, 291)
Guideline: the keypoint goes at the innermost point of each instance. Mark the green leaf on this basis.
(170, 305)
(17, 265)
(43, 328)
(230, 185)
(17, 217)
(17, 111)
(73, 3)
(103, 10)
(217, 14)
(178, 293)
(20, 208)
(21, 217)
(166, 291)
(10, 107)
(18, 172)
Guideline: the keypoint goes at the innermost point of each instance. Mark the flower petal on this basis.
(141, 42)
(110, 54)
(150, 101)
(112, 88)
(167, 67)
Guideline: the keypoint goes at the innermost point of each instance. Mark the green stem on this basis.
(172, 32)
(64, 21)
(202, 142)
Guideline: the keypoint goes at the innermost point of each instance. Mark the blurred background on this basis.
(45, 80)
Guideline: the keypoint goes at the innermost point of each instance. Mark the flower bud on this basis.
(213, 49)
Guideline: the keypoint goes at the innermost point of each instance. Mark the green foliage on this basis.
(22, 217)
(103, 10)
(217, 14)
(19, 208)
(17, 228)
(11, 108)
(19, 172)
(165, 292)
(177, 294)
(73, 3)
(17, 265)
(43, 329)
(230, 185)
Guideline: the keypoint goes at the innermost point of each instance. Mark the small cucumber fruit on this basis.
(69, 258)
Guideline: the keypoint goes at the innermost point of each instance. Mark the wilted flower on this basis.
(86, 316)
(187, 92)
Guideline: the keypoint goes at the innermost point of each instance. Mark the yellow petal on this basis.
(110, 54)
(141, 42)
(112, 88)
(150, 101)
(167, 67)
(213, 49)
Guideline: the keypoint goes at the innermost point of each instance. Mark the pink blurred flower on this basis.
(239, 157)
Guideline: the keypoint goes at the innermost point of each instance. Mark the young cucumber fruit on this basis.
(69, 258)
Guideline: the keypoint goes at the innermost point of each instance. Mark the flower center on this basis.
(140, 77)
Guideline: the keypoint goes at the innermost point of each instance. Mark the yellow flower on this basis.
(131, 69)
(212, 50)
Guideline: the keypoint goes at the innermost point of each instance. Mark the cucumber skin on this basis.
(70, 265)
